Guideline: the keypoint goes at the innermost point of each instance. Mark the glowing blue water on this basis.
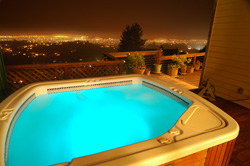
(56, 128)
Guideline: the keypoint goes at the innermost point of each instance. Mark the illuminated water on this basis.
(56, 128)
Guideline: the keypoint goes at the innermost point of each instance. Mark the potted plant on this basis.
(197, 65)
(147, 71)
(172, 69)
(136, 63)
(190, 68)
(157, 65)
(183, 61)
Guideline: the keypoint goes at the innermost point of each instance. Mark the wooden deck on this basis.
(191, 78)
(241, 152)
(188, 81)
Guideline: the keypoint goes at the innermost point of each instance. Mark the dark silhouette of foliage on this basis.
(131, 38)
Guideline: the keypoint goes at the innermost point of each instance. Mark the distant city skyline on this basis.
(27, 49)
(166, 19)
(197, 44)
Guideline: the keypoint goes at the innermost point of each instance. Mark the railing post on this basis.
(66, 72)
(120, 68)
(194, 60)
(158, 56)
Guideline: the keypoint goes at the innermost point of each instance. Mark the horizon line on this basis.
(68, 35)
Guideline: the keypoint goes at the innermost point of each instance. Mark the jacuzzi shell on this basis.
(202, 126)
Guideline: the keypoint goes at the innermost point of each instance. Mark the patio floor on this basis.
(188, 81)
(241, 152)
(191, 78)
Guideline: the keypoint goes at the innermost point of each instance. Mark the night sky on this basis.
(180, 19)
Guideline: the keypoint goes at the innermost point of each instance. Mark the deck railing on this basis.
(21, 75)
(151, 57)
(194, 55)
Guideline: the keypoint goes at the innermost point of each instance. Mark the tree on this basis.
(131, 38)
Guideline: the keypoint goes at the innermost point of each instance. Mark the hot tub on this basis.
(199, 128)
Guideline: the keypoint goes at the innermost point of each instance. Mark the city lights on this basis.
(35, 49)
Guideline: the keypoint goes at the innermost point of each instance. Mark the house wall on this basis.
(227, 63)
